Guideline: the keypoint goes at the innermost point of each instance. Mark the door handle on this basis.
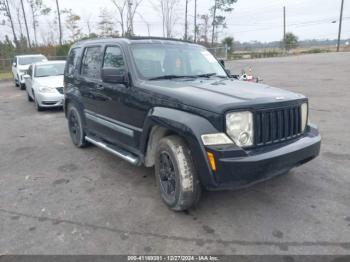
(100, 87)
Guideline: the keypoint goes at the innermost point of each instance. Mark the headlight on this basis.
(239, 126)
(44, 89)
(304, 116)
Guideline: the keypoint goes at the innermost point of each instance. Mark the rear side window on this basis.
(113, 58)
(91, 66)
(30, 71)
(72, 60)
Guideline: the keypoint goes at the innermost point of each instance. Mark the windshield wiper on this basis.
(169, 77)
(208, 75)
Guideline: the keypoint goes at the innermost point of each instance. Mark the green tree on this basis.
(229, 43)
(291, 41)
(7, 49)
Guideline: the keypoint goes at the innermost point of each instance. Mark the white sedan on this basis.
(21, 64)
(44, 84)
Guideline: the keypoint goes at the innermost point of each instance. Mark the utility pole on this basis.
(340, 24)
(284, 28)
(186, 22)
(25, 22)
(214, 24)
(130, 25)
(195, 21)
(59, 21)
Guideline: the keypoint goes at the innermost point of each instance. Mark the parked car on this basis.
(44, 84)
(20, 66)
(171, 105)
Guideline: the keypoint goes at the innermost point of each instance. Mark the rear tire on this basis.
(23, 86)
(75, 127)
(176, 176)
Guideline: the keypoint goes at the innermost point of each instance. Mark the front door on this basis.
(121, 133)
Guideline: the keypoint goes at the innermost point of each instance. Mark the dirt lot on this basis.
(56, 199)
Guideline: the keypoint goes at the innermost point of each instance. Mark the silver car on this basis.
(44, 84)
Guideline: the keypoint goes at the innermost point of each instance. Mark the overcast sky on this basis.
(251, 19)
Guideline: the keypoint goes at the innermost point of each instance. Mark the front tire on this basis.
(38, 107)
(75, 127)
(30, 99)
(176, 175)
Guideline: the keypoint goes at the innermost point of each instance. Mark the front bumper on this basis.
(237, 168)
(21, 79)
(50, 99)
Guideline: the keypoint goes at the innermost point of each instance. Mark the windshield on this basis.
(158, 60)
(49, 70)
(31, 60)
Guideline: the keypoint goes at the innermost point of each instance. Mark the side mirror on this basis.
(235, 76)
(113, 75)
(14, 64)
(222, 62)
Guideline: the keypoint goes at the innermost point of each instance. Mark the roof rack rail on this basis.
(134, 38)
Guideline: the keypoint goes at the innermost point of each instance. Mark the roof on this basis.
(28, 55)
(134, 40)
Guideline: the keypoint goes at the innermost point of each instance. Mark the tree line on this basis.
(64, 25)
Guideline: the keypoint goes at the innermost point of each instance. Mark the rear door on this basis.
(71, 70)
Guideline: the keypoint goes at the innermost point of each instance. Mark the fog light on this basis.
(216, 139)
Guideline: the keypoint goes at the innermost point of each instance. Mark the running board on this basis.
(115, 151)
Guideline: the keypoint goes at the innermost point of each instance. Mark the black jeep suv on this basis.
(171, 105)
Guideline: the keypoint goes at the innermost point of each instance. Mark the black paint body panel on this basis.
(189, 109)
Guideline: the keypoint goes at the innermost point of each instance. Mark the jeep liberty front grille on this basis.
(277, 125)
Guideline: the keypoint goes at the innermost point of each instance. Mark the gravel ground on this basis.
(57, 199)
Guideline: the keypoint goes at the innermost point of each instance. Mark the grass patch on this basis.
(5, 75)
(314, 51)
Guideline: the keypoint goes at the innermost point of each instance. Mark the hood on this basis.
(23, 67)
(221, 95)
(50, 81)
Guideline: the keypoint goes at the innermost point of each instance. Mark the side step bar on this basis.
(115, 151)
